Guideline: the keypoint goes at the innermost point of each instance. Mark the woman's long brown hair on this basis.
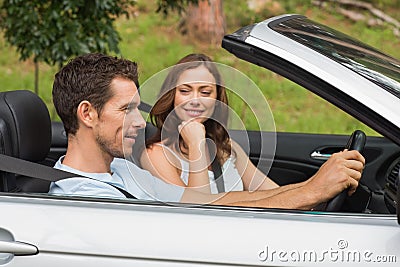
(164, 108)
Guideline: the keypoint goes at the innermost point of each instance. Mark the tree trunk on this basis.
(205, 22)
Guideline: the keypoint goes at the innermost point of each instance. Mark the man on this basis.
(96, 97)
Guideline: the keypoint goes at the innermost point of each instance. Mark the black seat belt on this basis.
(216, 167)
(219, 178)
(36, 170)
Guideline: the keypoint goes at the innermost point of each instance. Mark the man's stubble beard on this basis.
(108, 147)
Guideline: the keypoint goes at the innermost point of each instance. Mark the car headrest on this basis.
(27, 123)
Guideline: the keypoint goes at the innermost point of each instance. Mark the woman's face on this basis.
(195, 95)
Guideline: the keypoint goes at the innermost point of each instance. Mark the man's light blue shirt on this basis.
(125, 174)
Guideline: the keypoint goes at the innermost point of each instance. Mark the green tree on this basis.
(52, 31)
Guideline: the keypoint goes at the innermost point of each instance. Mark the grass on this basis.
(154, 42)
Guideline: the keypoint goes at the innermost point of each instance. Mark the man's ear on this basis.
(86, 113)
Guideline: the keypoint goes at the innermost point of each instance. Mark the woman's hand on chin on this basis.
(192, 132)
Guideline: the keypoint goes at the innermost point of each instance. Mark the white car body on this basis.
(92, 233)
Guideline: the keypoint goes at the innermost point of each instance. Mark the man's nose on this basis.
(138, 121)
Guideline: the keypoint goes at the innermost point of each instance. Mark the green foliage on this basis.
(53, 31)
(384, 3)
(238, 14)
(166, 6)
(291, 6)
(152, 42)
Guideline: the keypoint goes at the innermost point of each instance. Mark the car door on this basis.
(94, 232)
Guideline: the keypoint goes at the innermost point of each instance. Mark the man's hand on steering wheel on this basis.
(339, 175)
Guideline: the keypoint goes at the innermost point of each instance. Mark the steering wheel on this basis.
(356, 142)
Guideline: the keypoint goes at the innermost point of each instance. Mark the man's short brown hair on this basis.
(88, 77)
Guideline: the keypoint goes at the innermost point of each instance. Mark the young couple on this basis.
(96, 97)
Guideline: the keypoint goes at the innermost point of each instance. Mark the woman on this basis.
(192, 108)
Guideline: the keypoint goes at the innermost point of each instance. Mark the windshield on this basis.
(364, 60)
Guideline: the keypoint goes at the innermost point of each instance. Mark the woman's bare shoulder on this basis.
(159, 151)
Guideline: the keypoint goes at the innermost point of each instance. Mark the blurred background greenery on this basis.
(155, 41)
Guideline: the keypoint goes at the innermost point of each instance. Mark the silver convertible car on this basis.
(38, 229)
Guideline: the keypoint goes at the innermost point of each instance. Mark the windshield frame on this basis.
(362, 59)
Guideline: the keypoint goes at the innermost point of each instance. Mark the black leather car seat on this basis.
(139, 146)
(25, 133)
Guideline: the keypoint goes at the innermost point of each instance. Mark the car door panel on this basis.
(292, 161)
(101, 233)
(378, 152)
